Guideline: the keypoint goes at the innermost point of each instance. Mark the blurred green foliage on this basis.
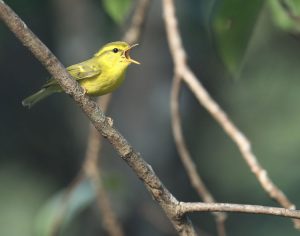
(62, 208)
(286, 14)
(117, 9)
(233, 24)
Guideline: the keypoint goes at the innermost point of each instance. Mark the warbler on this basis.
(101, 74)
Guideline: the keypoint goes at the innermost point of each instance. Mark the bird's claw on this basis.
(84, 91)
(110, 121)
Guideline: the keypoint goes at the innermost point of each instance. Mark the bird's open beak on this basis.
(126, 53)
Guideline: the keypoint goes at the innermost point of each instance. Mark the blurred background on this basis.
(245, 53)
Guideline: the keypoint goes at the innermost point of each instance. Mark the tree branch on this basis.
(102, 123)
(185, 207)
(186, 158)
(183, 71)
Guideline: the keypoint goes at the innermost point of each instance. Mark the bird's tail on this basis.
(36, 97)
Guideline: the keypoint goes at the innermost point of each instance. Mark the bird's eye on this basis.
(115, 50)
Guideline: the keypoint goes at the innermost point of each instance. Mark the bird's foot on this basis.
(110, 121)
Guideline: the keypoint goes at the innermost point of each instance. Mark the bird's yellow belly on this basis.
(102, 84)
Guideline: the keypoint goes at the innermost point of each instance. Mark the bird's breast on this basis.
(104, 83)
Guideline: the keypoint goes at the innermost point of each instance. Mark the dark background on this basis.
(42, 149)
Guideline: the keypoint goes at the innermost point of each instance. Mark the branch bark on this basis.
(185, 207)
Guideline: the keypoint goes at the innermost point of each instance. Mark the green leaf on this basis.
(57, 208)
(233, 24)
(117, 9)
(286, 14)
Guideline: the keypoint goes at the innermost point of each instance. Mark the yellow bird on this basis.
(101, 74)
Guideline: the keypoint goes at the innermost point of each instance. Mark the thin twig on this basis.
(182, 70)
(186, 159)
(64, 204)
(185, 207)
(137, 23)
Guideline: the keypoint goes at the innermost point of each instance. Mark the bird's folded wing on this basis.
(84, 70)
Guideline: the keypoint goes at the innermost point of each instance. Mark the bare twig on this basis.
(185, 207)
(138, 21)
(60, 214)
(186, 159)
(182, 70)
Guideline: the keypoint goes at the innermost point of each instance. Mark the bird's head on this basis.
(116, 55)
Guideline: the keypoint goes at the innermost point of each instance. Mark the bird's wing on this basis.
(83, 70)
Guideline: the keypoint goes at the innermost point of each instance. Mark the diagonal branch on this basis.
(186, 159)
(102, 123)
(182, 70)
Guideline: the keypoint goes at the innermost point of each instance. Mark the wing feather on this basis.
(83, 70)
